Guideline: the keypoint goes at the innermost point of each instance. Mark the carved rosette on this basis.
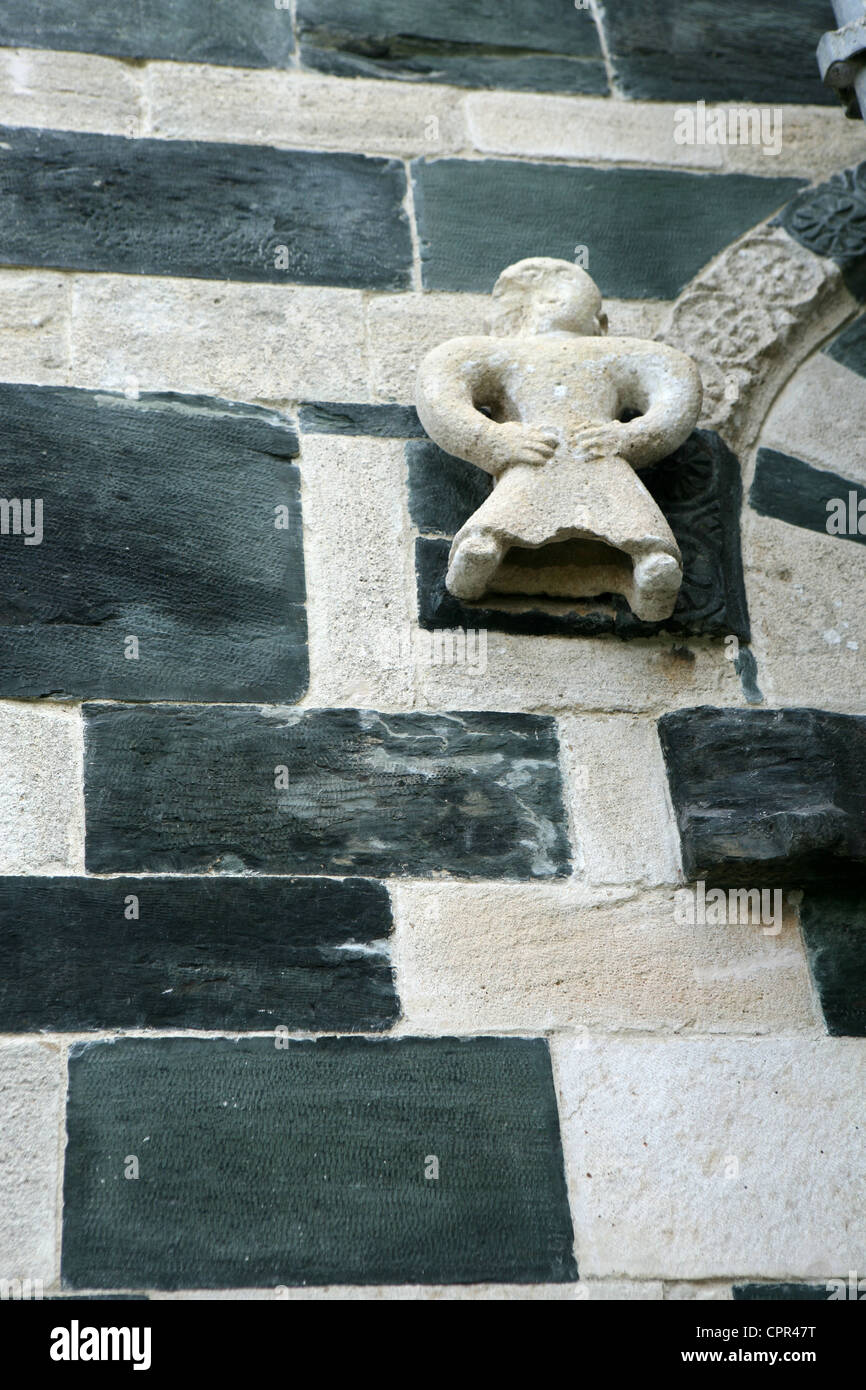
(740, 312)
(831, 220)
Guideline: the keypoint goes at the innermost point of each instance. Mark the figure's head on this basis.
(543, 295)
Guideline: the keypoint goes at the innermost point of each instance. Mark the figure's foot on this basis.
(656, 583)
(472, 566)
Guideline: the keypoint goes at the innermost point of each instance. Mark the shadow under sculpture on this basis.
(561, 416)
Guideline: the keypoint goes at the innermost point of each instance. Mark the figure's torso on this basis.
(562, 382)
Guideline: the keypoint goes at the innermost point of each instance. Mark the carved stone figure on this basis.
(561, 416)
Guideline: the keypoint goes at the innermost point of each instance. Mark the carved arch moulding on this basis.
(752, 316)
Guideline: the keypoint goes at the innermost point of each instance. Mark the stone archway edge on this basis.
(756, 311)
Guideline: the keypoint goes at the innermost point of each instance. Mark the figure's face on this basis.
(551, 302)
(559, 304)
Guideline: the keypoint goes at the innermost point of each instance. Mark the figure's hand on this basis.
(515, 443)
(600, 441)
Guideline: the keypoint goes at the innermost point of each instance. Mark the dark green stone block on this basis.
(474, 794)
(780, 1293)
(759, 51)
(521, 24)
(261, 1166)
(444, 491)
(159, 525)
(209, 211)
(768, 797)
(794, 491)
(457, 64)
(648, 232)
(834, 930)
(234, 953)
(384, 421)
(849, 346)
(244, 33)
(746, 668)
(528, 45)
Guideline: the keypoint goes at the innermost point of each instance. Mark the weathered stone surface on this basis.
(624, 828)
(31, 1114)
(244, 34)
(211, 211)
(41, 804)
(302, 110)
(834, 930)
(714, 1158)
(160, 530)
(808, 616)
(69, 91)
(698, 490)
(475, 216)
(34, 340)
(401, 330)
(547, 673)
(741, 319)
(682, 1291)
(754, 50)
(383, 421)
(467, 794)
(78, 954)
(829, 220)
(471, 959)
(640, 132)
(806, 420)
(561, 416)
(582, 128)
(794, 491)
(497, 43)
(239, 1142)
(263, 342)
(359, 533)
(768, 796)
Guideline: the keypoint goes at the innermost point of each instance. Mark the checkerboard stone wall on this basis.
(362, 953)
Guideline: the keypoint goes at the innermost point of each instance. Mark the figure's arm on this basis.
(453, 381)
(665, 387)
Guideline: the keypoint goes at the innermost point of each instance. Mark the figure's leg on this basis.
(603, 503)
(656, 583)
(482, 541)
(634, 523)
(475, 557)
